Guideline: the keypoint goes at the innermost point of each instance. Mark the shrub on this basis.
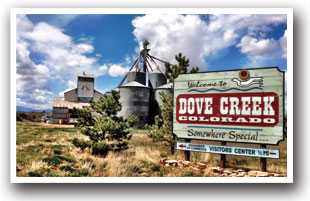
(83, 173)
(66, 168)
(57, 152)
(155, 168)
(52, 160)
(52, 174)
(68, 159)
(55, 160)
(107, 131)
(35, 174)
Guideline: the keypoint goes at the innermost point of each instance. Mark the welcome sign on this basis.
(236, 106)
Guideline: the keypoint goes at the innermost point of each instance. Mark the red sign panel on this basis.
(237, 109)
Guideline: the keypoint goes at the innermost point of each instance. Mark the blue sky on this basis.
(53, 49)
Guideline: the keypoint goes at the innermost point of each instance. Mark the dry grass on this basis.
(36, 142)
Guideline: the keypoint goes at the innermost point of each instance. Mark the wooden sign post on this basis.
(187, 154)
(263, 161)
(238, 106)
(223, 158)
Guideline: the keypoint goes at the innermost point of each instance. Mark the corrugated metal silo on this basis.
(140, 76)
(135, 100)
(110, 91)
(166, 89)
(157, 79)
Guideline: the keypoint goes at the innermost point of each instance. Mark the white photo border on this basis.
(287, 11)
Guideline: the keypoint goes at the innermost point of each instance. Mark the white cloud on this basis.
(63, 56)
(45, 34)
(257, 47)
(197, 38)
(102, 70)
(71, 85)
(230, 35)
(62, 20)
(262, 51)
(61, 59)
(23, 24)
(85, 48)
(62, 93)
(31, 79)
(116, 70)
(127, 59)
(171, 34)
(283, 44)
(60, 54)
(88, 39)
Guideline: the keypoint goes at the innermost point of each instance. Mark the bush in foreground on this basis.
(106, 130)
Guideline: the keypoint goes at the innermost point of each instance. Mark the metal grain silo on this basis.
(167, 90)
(135, 100)
(157, 79)
(140, 76)
(110, 91)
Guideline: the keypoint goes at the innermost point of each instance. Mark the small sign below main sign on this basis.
(231, 150)
(234, 106)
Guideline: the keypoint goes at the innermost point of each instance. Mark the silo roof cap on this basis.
(156, 71)
(134, 84)
(166, 86)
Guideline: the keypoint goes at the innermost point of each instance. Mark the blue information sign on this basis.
(231, 150)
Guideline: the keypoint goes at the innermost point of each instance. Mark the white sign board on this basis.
(235, 106)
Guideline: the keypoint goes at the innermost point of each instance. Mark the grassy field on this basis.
(45, 150)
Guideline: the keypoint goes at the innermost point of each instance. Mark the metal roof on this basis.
(134, 84)
(60, 102)
(76, 89)
(98, 92)
(156, 71)
(166, 86)
(70, 90)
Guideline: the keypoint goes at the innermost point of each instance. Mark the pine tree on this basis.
(162, 131)
(106, 130)
(173, 71)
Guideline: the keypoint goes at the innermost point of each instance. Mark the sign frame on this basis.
(235, 70)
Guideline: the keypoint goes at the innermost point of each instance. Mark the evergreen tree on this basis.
(173, 71)
(106, 130)
(162, 131)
